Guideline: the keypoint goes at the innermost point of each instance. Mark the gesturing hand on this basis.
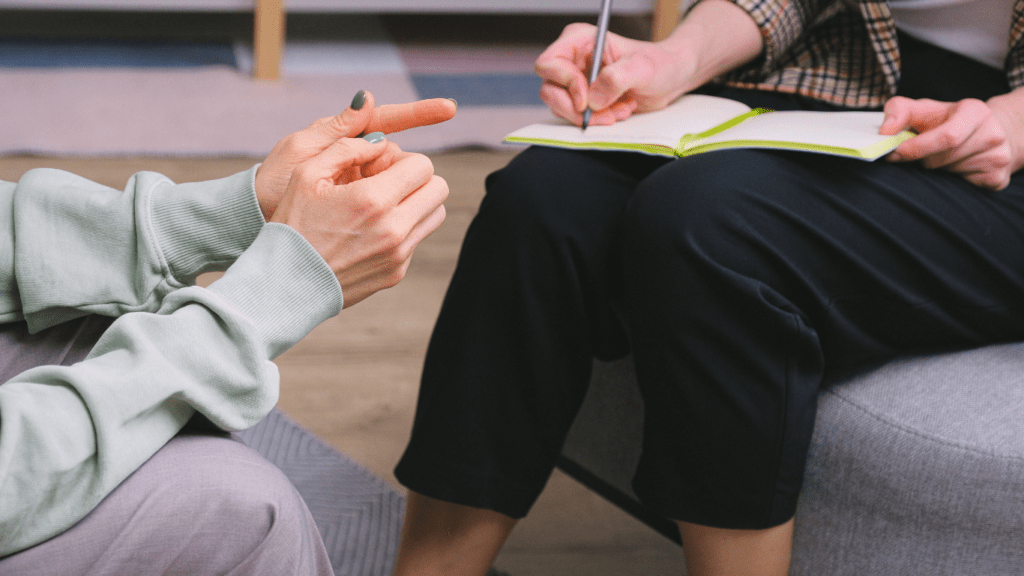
(364, 207)
(969, 138)
(361, 117)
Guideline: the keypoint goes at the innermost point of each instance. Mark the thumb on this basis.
(920, 115)
(616, 79)
(349, 124)
(897, 115)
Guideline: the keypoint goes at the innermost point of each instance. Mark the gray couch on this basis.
(916, 468)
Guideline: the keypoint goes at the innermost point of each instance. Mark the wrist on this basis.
(1008, 110)
(716, 36)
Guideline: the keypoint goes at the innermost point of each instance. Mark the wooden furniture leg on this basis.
(665, 19)
(268, 39)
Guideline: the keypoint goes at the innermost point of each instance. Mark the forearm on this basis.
(69, 435)
(77, 247)
(715, 37)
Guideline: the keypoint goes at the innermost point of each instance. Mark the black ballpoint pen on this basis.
(595, 67)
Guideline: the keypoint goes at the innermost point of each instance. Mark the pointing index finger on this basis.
(397, 117)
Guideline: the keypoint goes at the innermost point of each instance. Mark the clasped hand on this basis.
(364, 206)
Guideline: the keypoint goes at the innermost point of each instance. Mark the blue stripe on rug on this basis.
(32, 53)
(481, 89)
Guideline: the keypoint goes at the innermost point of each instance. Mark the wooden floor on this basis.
(353, 381)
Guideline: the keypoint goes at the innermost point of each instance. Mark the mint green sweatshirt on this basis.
(70, 435)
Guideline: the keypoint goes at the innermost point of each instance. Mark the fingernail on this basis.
(359, 100)
(374, 137)
(456, 103)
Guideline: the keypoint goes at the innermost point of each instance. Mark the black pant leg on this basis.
(752, 278)
(529, 306)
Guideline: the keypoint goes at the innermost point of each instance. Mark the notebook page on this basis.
(855, 130)
(692, 113)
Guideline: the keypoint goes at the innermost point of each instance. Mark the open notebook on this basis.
(697, 123)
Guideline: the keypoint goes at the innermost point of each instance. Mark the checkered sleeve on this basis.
(781, 22)
(839, 51)
(1015, 59)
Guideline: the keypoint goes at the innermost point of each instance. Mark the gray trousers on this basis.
(204, 504)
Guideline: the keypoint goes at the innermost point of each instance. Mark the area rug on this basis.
(358, 514)
(100, 97)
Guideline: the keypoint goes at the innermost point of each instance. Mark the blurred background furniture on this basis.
(270, 15)
(915, 468)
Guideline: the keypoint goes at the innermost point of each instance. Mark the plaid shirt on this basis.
(840, 51)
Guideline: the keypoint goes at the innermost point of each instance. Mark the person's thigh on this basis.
(204, 504)
(753, 277)
(529, 306)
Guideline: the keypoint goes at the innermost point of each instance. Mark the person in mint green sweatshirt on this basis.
(325, 221)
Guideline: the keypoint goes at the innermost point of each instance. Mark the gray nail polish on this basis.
(374, 137)
(359, 100)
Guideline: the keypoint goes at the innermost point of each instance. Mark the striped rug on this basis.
(114, 97)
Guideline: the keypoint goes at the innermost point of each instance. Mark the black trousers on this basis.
(742, 282)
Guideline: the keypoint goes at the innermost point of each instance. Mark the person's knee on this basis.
(234, 508)
(720, 209)
(551, 193)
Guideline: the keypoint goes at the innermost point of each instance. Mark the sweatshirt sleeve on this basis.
(70, 435)
(81, 248)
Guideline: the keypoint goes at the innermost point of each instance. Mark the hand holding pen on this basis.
(621, 78)
(633, 75)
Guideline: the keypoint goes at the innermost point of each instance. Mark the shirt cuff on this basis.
(205, 226)
(283, 286)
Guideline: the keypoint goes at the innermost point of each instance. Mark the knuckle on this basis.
(947, 140)
(975, 106)
(549, 91)
(576, 27)
(374, 206)
(996, 140)
(293, 140)
(617, 76)
(423, 163)
(989, 182)
(396, 276)
(391, 238)
(284, 144)
(993, 180)
(366, 204)
(305, 173)
(1001, 159)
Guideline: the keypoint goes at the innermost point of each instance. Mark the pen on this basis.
(602, 31)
